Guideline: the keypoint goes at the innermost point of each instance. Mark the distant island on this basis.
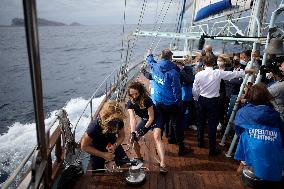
(75, 24)
(42, 22)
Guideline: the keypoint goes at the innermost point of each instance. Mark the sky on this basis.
(94, 12)
(88, 12)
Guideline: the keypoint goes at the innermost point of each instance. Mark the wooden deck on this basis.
(195, 171)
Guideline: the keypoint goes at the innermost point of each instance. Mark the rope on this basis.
(141, 17)
(68, 138)
(158, 17)
(122, 75)
(181, 17)
(176, 25)
(123, 31)
(163, 19)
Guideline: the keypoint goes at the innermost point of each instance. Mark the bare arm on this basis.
(151, 117)
(195, 89)
(86, 146)
(132, 120)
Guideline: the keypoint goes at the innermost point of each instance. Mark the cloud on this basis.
(88, 12)
(93, 12)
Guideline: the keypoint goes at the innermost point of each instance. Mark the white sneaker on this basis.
(219, 127)
(193, 127)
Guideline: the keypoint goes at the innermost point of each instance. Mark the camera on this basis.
(272, 66)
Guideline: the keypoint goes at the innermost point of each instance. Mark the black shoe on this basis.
(214, 152)
(182, 150)
(163, 170)
(201, 144)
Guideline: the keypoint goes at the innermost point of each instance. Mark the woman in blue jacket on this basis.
(261, 144)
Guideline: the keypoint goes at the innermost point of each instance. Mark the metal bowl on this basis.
(135, 175)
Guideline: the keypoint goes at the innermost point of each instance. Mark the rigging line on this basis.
(127, 56)
(156, 13)
(181, 16)
(160, 13)
(137, 29)
(123, 31)
(177, 19)
(163, 19)
(92, 97)
(154, 49)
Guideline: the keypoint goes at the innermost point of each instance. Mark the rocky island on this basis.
(41, 22)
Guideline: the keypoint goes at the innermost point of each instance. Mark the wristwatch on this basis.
(115, 145)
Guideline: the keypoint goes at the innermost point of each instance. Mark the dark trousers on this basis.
(192, 111)
(207, 108)
(222, 108)
(172, 113)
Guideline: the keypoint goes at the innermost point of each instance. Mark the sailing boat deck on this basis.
(196, 170)
(191, 171)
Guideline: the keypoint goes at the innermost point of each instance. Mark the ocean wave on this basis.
(76, 49)
(3, 105)
(21, 138)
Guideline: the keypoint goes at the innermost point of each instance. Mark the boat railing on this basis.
(218, 27)
(22, 176)
(52, 141)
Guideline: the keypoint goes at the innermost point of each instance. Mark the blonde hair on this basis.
(188, 59)
(111, 110)
(225, 58)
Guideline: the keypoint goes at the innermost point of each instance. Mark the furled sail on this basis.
(207, 8)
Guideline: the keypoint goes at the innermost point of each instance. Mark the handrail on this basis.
(11, 178)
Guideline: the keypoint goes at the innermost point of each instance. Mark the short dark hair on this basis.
(246, 52)
(167, 54)
(208, 60)
(258, 94)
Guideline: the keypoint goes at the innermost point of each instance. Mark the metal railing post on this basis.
(236, 106)
(30, 15)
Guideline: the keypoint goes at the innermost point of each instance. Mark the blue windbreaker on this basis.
(186, 86)
(260, 144)
(167, 89)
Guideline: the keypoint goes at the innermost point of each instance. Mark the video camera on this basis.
(272, 66)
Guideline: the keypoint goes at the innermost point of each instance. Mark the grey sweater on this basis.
(277, 91)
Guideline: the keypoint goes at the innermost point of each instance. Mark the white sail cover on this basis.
(207, 8)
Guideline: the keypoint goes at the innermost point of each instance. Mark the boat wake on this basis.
(21, 138)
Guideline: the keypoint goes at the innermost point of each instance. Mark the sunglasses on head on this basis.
(116, 123)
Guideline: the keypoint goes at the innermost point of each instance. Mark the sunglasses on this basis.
(116, 123)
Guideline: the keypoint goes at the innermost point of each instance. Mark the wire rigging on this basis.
(123, 31)
(181, 17)
(162, 21)
(131, 47)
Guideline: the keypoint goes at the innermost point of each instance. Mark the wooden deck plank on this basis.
(169, 180)
(196, 171)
